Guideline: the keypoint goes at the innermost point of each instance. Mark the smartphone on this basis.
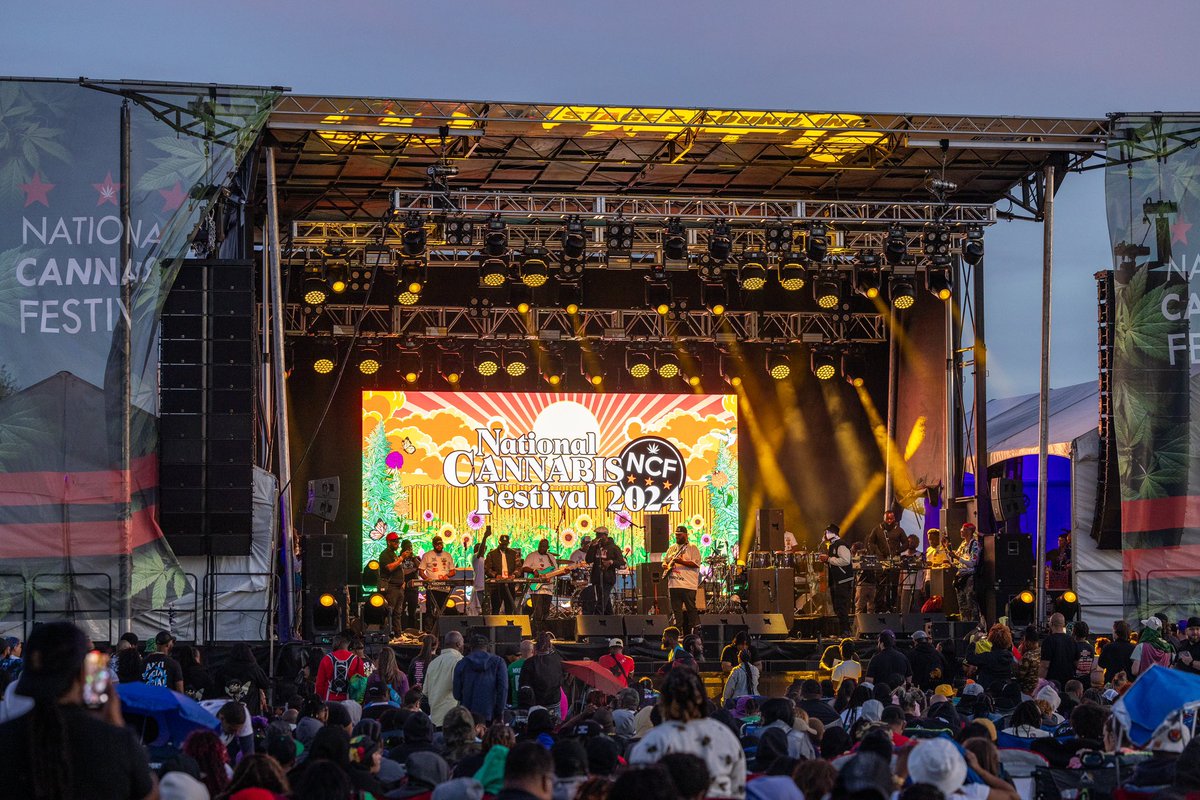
(95, 679)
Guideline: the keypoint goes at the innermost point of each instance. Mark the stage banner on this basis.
(1152, 191)
(553, 466)
(79, 327)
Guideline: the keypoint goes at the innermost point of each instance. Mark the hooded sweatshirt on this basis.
(481, 684)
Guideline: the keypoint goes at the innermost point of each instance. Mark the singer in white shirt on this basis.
(682, 562)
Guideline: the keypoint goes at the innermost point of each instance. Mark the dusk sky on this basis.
(1015, 57)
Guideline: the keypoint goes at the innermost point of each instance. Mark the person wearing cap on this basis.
(59, 748)
(682, 564)
(966, 561)
(393, 579)
(865, 776)
(616, 662)
(1151, 648)
(1189, 650)
(943, 764)
(835, 553)
(501, 566)
(481, 681)
(159, 669)
(126, 665)
(606, 558)
(928, 665)
(888, 660)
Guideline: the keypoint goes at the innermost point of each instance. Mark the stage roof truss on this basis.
(442, 322)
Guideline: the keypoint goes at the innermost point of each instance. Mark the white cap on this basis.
(1153, 622)
(938, 763)
(615, 643)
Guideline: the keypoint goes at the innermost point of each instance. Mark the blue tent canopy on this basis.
(1155, 694)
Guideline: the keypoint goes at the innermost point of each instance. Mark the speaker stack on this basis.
(658, 533)
(1008, 499)
(207, 379)
(325, 573)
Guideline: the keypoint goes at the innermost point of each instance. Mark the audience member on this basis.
(159, 668)
(439, 677)
(481, 681)
(888, 660)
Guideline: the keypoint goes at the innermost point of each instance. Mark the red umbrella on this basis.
(593, 675)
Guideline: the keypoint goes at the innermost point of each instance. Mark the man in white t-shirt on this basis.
(537, 564)
(437, 567)
(683, 579)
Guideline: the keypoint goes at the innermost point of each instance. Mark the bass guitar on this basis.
(548, 574)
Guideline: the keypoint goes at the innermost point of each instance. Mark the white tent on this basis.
(1074, 434)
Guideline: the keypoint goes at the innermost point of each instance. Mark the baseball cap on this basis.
(944, 689)
(1193, 622)
(833, 528)
(1152, 622)
(393, 536)
(163, 637)
(866, 773)
(988, 724)
(939, 763)
(972, 690)
(615, 643)
(919, 636)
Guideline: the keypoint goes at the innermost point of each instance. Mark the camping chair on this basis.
(1010, 742)
(1100, 775)
(1021, 763)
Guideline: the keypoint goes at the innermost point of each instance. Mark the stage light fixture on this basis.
(412, 277)
(460, 231)
(752, 274)
(972, 247)
(779, 365)
(720, 242)
(667, 365)
(325, 357)
(337, 277)
(638, 363)
(523, 307)
(487, 362)
(827, 289)
(853, 368)
(594, 372)
(370, 574)
(822, 363)
(493, 272)
(791, 272)
(570, 296)
(407, 298)
(903, 292)
(778, 237)
(315, 291)
(675, 241)
(618, 237)
(715, 297)
(658, 296)
(1067, 604)
(450, 366)
(412, 240)
(326, 600)
(936, 244)
(816, 244)
(552, 367)
(369, 360)
(867, 279)
(574, 241)
(495, 241)
(535, 270)
(377, 255)
(1021, 610)
(479, 307)
(938, 283)
(731, 368)
(711, 270)
(324, 365)
(409, 365)
(895, 247)
(516, 362)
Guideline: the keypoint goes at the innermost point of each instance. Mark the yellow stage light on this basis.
(373, 564)
(663, 309)
(453, 377)
(323, 366)
(516, 368)
(523, 308)
(825, 372)
(326, 600)
(368, 366)
(1070, 596)
(415, 287)
(694, 380)
(411, 377)
(450, 603)
(668, 370)
(640, 369)
(554, 380)
(735, 381)
(572, 309)
(409, 298)
(338, 286)
(596, 380)
(1026, 597)
(314, 297)
(377, 600)
(718, 310)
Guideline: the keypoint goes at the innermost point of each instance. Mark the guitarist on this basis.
(502, 564)
(536, 564)
(606, 558)
(682, 565)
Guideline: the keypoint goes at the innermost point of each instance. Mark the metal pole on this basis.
(284, 549)
(983, 491)
(125, 568)
(949, 490)
(1044, 387)
(893, 380)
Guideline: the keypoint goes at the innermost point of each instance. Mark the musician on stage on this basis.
(502, 565)
(606, 558)
(579, 556)
(536, 564)
(681, 562)
(397, 568)
(887, 539)
(835, 553)
(437, 566)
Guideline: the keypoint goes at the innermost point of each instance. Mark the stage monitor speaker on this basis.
(1008, 499)
(768, 532)
(718, 630)
(658, 533)
(325, 560)
(767, 626)
(323, 496)
(598, 626)
(912, 622)
(462, 624)
(955, 630)
(875, 624)
(652, 589)
(509, 623)
(645, 626)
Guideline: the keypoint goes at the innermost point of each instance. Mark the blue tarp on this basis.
(1153, 696)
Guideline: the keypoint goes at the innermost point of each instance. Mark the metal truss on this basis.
(420, 322)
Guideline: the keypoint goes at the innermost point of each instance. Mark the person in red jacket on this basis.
(616, 662)
(336, 670)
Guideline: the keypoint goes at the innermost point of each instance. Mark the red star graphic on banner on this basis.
(1179, 231)
(108, 191)
(36, 191)
(173, 198)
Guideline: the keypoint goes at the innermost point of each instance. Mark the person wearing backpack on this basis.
(336, 670)
(616, 662)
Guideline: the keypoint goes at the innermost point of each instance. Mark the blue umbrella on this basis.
(176, 714)
(1155, 694)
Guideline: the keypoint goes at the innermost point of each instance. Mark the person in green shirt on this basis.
(514, 669)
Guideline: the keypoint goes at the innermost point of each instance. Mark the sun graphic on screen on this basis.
(566, 420)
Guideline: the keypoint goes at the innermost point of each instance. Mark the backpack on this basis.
(340, 682)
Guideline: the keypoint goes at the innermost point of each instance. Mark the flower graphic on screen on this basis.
(474, 520)
(705, 540)
(720, 480)
(628, 551)
(622, 520)
(584, 524)
(467, 540)
(568, 537)
(428, 515)
(447, 532)
(697, 522)
(403, 507)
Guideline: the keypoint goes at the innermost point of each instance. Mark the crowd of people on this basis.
(919, 720)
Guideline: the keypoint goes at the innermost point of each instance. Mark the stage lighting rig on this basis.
(895, 247)
(337, 277)
(822, 362)
(675, 241)
(816, 244)
(867, 279)
(409, 365)
(495, 241)
(594, 373)
(752, 275)
(369, 360)
(493, 272)
(715, 297)
(936, 244)
(972, 247)
(574, 241)
(854, 367)
(1021, 609)
(731, 368)
(535, 270)
(939, 284)
(316, 292)
(903, 291)
(479, 307)
(827, 288)
(658, 297)
(638, 363)
(779, 364)
(516, 362)
(552, 367)
(720, 242)
(667, 365)
(412, 240)
(618, 237)
(792, 274)
(460, 232)
(487, 362)
(778, 237)
(450, 366)
(570, 296)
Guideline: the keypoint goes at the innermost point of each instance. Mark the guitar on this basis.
(548, 573)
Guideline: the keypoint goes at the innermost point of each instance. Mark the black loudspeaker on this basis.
(718, 630)
(658, 533)
(768, 532)
(207, 380)
(464, 625)
(767, 626)
(323, 497)
(1014, 558)
(913, 622)
(645, 626)
(510, 623)
(652, 589)
(1008, 499)
(325, 612)
(599, 626)
(875, 624)
(772, 592)
(955, 630)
